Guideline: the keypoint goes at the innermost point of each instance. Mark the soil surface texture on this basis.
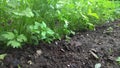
(83, 50)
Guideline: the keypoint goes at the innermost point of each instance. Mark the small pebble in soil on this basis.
(30, 62)
(38, 52)
(87, 34)
(68, 65)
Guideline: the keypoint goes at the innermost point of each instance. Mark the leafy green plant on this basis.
(46, 20)
(14, 40)
(40, 31)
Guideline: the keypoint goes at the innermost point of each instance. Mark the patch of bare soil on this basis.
(84, 50)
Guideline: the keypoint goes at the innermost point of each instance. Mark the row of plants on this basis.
(32, 21)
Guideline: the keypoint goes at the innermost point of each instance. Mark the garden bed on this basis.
(83, 50)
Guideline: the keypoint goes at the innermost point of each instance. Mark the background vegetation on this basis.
(31, 21)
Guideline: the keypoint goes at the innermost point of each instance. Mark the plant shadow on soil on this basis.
(84, 50)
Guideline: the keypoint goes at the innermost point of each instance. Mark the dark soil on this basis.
(83, 50)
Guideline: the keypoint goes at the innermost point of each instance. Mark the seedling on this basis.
(98, 65)
(2, 56)
(118, 60)
(109, 30)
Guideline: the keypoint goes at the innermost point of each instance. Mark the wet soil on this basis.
(83, 50)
